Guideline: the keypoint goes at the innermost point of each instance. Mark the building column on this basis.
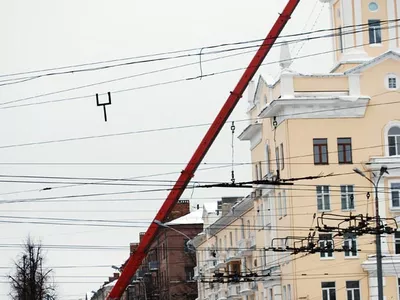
(398, 23)
(382, 213)
(347, 17)
(392, 25)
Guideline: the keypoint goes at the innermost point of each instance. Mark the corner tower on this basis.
(364, 28)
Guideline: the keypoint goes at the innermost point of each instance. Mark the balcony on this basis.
(244, 247)
(234, 291)
(232, 255)
(248, 287)
(153, 266)
(221, 260)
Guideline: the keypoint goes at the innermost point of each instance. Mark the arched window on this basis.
(394, 140)
(248, 228)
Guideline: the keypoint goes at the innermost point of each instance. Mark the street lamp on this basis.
(382, 171)
(189, 243)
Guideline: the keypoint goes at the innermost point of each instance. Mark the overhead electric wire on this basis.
(171, 81)
(164, 53)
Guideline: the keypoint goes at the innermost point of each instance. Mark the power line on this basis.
(169, 81)
(165, 53)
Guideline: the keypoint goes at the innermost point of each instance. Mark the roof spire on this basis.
(285, 59)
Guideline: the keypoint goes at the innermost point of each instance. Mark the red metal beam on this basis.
(136, 258)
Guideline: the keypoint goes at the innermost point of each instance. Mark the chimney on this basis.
(141, 235)
(225, 208)
(133, 247)
(180, 209)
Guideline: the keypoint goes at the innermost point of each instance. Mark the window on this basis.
(277, 158)
(320, 151)
(325, 243)
(242, 228)
(284, 206)
(271, 294)
(282, 157)
(230, 239)
(353, 290)
(236, 235)
(248, 228)
(340, 35)
(375, 31)
(394, 141)
(395, 189)
(344, 150)
(189, 272)
(328, 290)
(262, 215)
(392, 82)
(397, 242)
(260, 176)
(280, 210)
(373, 6)
(347, 197)
(284, 293)
(267, 160)
(350, 245)
(289, 292)
(323, 198)
(256, 171)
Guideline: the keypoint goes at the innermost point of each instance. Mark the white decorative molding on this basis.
(347, 13)
(252, 133)
(358, 20)
(390, 266)
(287, 88)
(391, 25)
(354, 85)
(316, 107)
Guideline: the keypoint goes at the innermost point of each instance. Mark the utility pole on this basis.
(379, 274)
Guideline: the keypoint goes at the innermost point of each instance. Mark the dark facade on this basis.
(167, 271)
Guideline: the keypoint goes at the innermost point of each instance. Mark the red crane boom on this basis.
(136, 258)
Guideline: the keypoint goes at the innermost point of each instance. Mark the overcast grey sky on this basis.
(51, 33)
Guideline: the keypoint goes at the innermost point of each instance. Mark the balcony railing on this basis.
(233, 255)
(234, 291)
(248, 287)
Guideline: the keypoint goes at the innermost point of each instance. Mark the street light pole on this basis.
(189, 243)
(379, 274)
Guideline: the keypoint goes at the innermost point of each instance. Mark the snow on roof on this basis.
(195, 217)
(112, 283)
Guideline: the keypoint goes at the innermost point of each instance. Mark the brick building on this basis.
(167, 271)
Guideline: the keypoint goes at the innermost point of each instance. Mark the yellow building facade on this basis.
(308, 125)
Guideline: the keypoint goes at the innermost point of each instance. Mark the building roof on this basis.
(195, 217)
(387, 55)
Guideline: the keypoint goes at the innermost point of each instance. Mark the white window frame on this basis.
(352, 290)
(375, 29)
(350, 242)
(327, 289)
(322, 195)
(390, 182)
(396, 240)
(386, 133)
(326, 255)
(388, 77)
(348, 195)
